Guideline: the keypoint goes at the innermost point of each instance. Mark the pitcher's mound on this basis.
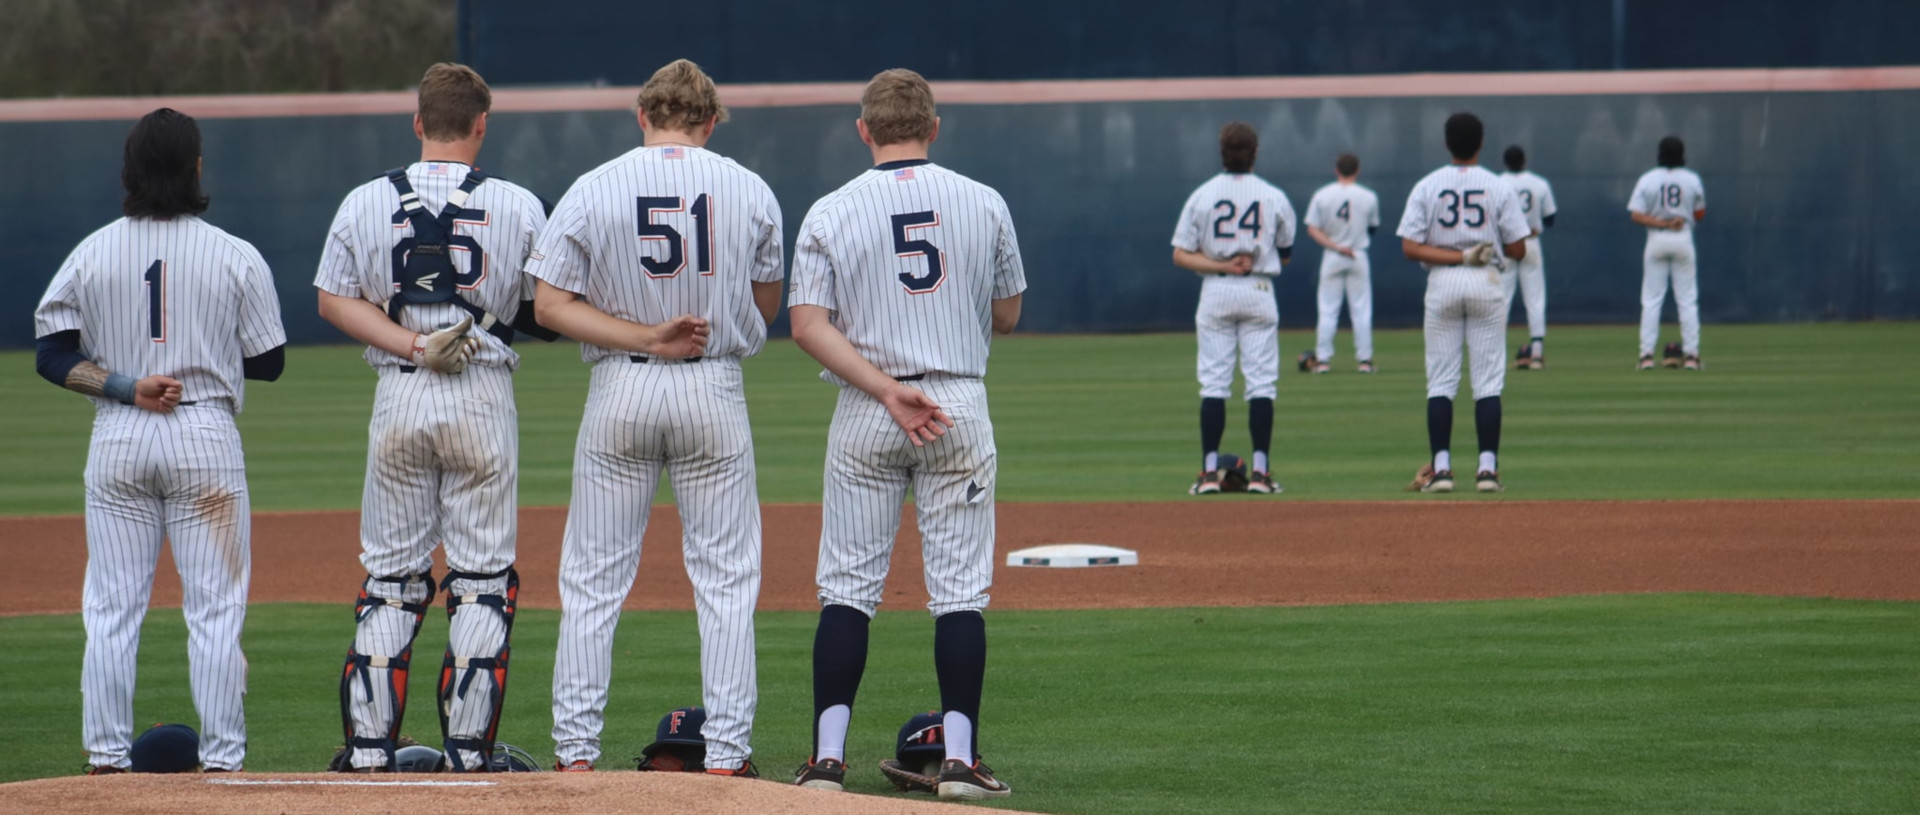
(555, 793)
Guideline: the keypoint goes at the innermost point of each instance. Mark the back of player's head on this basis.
(162, 170)
(452, 96)
(1347, 165)
(1673, 152)
(898, 107)
(1516, 158)
(1464, 135)
(681, 97)
(1238, 146)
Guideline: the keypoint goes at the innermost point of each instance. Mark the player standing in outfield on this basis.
(1342, 217)
(157, 318)
(422, 265)
(900, 279)
(1454, 218)
(1236, 231)
(1536, 203)
(665, 263)
(1668, 200)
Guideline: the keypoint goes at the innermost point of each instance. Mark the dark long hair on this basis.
(162, 170)
(1673, 152)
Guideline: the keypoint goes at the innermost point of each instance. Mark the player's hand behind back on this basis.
(916, 413)
(1240, 264)
(159, 394)
(680, 337)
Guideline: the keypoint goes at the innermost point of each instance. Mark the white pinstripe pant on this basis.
(1466, 305)
(691, 420)
(1238, 315)
(179, 477)
(1349, 278)
(870, 466)
(443, 458)
(1669, 257)
(1531, 280)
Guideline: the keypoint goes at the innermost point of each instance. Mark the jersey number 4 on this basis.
(905, 246)
(1249, 222)
(676, 259)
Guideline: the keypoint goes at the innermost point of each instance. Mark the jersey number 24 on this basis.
(1250, 221)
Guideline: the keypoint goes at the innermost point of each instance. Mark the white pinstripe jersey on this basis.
(1458, 206)
(1536, 198)
(1344, 212)
(1668, 192)
(491, 239)
(909, 257)
(176, 297)
(664, 231)
(1235, 213)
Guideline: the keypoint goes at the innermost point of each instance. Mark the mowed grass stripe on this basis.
(1677, 703)
(1783, 411)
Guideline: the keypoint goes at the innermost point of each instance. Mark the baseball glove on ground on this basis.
(925, 778)
(1233, 473)
(1306, 362)
(1421, 478)
(1671, 357)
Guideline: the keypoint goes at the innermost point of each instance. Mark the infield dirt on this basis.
(1192, 553)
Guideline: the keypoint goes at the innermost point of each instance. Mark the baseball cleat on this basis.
(1264, 484)
(1693, 363)
(745, 770)
(1208, 483)
(826, 774)
(581, 766)
(1442, 481)
(1366, 366)
(1646, 363)
(1488, 481)
(104, 769)
(959, 782)
(1536, 363)
(1321, 368)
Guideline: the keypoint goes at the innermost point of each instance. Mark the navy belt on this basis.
(407, 369)
(640, 360)
(910, 378)
(188, 402)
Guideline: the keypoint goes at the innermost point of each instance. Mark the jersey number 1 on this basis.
(676, 245)
(156, 278)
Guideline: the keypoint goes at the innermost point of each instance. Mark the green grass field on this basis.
(1784, 411)
(1592, 704)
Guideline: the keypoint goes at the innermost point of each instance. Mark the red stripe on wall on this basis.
(1569, 83)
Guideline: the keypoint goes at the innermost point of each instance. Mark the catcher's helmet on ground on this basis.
(510, 759)
(166, 748)
(677, 744)
(419, 758)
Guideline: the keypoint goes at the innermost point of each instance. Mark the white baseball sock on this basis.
(1259, 461)
(833, 734)
(1487, 462)
(1442, 461)
(959, 735)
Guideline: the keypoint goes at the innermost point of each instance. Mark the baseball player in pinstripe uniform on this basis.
(665, 263)
(1669, 200)
(423, 265)
(1235, 232)
(1536, 203)
(1342, 217)
(157, 318)
(1454, 219)
(900, 279)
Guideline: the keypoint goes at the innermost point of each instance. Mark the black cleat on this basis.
(959, 782)
(826, 774)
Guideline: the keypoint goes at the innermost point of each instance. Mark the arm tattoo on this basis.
(87, 378)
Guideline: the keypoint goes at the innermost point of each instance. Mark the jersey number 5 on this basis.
(676, 245)
(904, 246)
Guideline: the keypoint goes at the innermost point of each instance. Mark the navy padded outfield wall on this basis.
(619, 41)
(1809, 192)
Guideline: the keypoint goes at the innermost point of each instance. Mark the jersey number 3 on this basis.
(906, 247)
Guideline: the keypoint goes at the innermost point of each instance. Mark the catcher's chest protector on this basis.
(425, 260)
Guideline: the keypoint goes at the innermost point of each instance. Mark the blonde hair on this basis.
(680, 96)
(897, 107)
(452, 96)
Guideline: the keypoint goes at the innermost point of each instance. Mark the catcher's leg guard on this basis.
(477, 649)
(388, 616)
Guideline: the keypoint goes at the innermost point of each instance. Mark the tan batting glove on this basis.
(448, 350)
(1479, 254)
